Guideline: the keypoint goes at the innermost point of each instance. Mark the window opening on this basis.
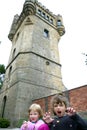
(39, 11)
(47, 17)
(10, 70)
(13, 53)
(43, 14)
(51, 21)
(59, 23)
(4, 104)
(46, 33)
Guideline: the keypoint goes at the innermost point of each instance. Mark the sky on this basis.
(72, 46)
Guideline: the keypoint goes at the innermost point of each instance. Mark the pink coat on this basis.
(39, 125)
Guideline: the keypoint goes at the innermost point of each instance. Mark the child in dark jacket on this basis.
(65, 118)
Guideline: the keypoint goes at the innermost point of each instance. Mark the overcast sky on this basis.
(72, 46)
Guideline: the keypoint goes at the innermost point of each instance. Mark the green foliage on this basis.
(2, 73)
(2, 69)
(1, 81)
(85, 118)
(1, 84)
(4, 123)
(20, 122)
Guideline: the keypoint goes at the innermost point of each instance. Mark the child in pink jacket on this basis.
(35, 119)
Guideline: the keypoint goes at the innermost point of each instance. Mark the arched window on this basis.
(59, 23)
(17, 36)
(51, 21)
(39, 11)
(47, 17)
(46, 33)
(43, 14)
(3, 105)
(10, 69)
(13, 53)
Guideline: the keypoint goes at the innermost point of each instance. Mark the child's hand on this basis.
(47, 118)
(25, 124)
(70, 111)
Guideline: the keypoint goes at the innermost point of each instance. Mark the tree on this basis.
(2, 74)
(2, 69)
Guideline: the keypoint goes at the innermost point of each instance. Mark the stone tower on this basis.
(34, 68)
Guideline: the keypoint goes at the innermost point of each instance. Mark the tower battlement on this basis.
(33, 7)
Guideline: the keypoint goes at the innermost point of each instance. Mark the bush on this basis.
(4, 123)
(85, 119)
(20, 122)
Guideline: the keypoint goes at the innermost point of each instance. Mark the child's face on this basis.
(59, 109)
(34, 116)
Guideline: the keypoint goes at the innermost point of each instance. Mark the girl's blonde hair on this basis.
(36, 107)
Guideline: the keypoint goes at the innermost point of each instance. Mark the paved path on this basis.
(9, 128)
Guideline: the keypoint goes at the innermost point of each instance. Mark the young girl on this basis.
(35, 119)
(65, 118)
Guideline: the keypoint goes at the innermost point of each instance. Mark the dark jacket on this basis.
(66, 122)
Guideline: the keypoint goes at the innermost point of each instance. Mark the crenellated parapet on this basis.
(29, 7)
(33, 7)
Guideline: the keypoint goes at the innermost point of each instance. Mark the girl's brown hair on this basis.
(59, 98)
